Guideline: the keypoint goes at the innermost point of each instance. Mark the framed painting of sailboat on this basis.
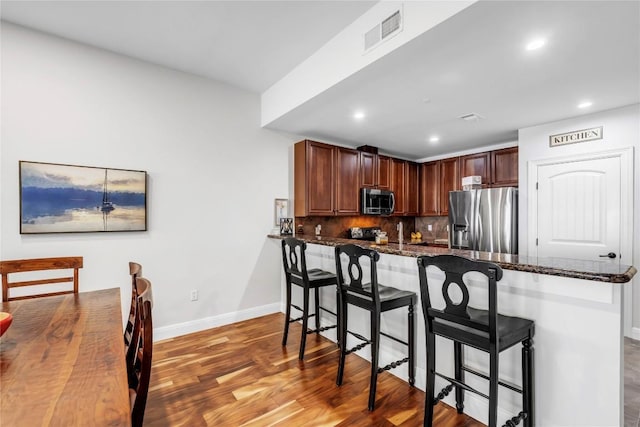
(57, 198)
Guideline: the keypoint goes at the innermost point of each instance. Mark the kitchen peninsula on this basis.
(578, 310)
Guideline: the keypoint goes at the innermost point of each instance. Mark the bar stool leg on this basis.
(375, 347)
(412, 346)
(317, 303)
(305, 321)
(431, 376)
(528, 382)
(343, 339)
(458, 355)
(493, 387)
(287, 315)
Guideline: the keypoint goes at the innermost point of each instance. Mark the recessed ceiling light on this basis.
(359, 115)
(585, 104)
(536, 44)
(434, 138)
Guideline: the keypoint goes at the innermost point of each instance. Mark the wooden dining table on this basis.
(62, 362)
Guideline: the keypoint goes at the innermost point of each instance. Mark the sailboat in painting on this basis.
(107, 206)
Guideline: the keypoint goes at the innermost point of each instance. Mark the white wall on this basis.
(213, 175)
(621, 129)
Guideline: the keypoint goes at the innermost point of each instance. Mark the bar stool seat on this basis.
(376, 298)
(486, 330)
(296, 273)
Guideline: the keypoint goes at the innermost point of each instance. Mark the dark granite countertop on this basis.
(600, 271)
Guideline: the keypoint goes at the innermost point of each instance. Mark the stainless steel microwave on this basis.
(376, 202)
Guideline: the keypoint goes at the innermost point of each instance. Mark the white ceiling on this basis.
(473, 62)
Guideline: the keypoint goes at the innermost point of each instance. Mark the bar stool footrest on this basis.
(513, 422)
(456, 383)
(393, 365)
(322, 329)
(365, 343)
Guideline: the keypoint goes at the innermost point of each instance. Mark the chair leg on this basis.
(431, 376)
(287, 314)
(342, 340)
(458, 355)
(317, 308)
(493, 387)
(412, 346)
(375, 347)
(305, 321)
(338, 315)
(528, 386)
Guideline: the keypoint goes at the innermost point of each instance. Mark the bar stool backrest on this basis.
(353, 278)
(294, 261)
(455, 269)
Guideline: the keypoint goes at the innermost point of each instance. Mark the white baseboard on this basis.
(635, 333)
(178, 329)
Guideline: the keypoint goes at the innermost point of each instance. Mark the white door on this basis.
(579, 210)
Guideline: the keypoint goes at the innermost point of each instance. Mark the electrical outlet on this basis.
(194, 295)
(429, 227)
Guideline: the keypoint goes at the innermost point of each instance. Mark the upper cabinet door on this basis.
(412, 191)
(504, 167)
(477, 164)
(449, 181)
(398, 182)
(384, 172)
(368, 170)
(320, 183)
(347, 181)
(429, 189)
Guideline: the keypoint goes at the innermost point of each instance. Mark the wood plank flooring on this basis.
(631, 383)
(240, 375)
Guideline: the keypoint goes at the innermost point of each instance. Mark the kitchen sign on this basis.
(575, 137)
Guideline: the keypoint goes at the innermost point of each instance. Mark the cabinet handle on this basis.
(609, 255)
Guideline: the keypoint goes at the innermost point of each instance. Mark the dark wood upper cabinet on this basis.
(384, 172)
(412, 189)
(449, 181)
(429, 189)
(504, 167)
(477, 164)
(347, 181)
(375, 171)
(327, 179)
(398, 185)
(368, 169)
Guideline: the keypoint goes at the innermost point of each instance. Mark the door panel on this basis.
(347, 181)
(579, 209)
(320, 173)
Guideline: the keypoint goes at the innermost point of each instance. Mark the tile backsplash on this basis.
(338, 226)
(438, 224)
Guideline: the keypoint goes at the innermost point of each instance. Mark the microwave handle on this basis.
(393, 202)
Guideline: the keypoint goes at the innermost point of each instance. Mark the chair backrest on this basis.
(39, 264)
(353, 278)
(294, 260)
(455, 269)
(135, 270)
(142, 361)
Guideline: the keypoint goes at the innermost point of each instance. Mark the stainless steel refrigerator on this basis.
(484, 220)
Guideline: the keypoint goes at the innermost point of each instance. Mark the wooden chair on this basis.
(484, 330)
(142, 362)
(39, 264)
(296, 273)
(130, 337)
(370, 295)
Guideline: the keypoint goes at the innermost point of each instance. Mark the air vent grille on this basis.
(471, 117)
(391, 24)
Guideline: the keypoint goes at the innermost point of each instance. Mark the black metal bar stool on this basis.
(295, 270)
(485, 330)
(377, 299)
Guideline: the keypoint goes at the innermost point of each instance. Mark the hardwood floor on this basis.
(240, 375)
(631, 383)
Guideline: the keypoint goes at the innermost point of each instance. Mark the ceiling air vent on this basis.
(471, 117)
(388, 27)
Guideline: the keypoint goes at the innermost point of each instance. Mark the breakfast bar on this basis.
(577, 307)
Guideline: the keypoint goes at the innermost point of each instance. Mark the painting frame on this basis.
(281, 210)
(58, 198)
